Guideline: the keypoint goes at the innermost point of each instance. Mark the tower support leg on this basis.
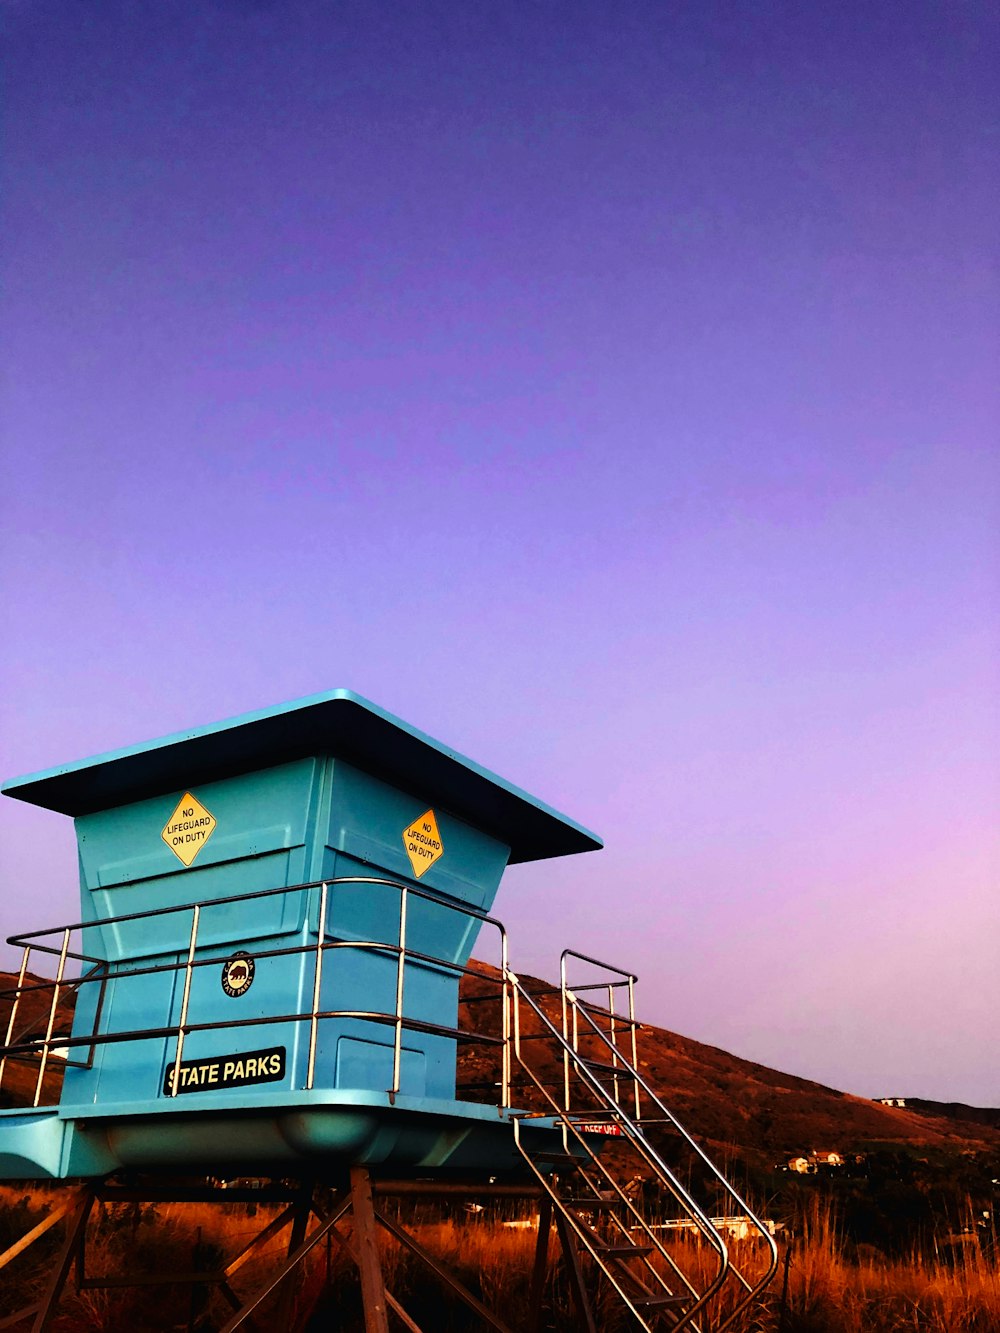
(69, 1252)
(302, 1207)
(541, 1264)
(571, 1255)
(366, 1246)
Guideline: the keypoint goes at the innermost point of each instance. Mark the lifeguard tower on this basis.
(271, 977)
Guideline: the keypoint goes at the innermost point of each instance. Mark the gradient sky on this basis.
(607, 389)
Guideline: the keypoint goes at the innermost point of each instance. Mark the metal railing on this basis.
(618, 1022)
(27, 1045)
(580, 1023)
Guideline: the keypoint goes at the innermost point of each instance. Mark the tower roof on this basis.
(338, 723)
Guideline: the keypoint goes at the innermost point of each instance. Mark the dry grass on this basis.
(125, 1239)
(829, 1289)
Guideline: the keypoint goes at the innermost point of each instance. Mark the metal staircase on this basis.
(606, 1112)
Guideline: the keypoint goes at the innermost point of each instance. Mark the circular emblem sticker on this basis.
(237, 974)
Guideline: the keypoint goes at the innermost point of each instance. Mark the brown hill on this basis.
(730, 1100)
(977, 1115)
(764, 1115)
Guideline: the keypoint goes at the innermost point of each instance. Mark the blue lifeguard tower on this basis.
(277, 914)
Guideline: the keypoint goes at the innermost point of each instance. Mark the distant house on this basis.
(891, 1101)
(816, 1161)
(738, 1227)
(827, 1159)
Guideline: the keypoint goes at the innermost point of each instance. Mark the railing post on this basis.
(635, 1047)
(195, 915)
(564, 997)
(515, 992)
(317, 980)
(52, 1015)
(614, 1037)
(14, 1006)
(397, 1043)
(505, 1062)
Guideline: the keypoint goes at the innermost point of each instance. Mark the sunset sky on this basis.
(610, 391)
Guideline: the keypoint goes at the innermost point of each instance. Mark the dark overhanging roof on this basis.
(339, 723)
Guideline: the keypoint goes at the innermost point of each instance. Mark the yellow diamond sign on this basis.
(423, 843)
(188, 828)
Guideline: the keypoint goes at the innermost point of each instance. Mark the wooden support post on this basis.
(300, 1217)
(30, 1237)
(19, 1316)
(350, 1251)
(448, 1278)
(301, 1208)
(571, 1256)
(261, 1238)
(71, 1248)
(541, 1265)
(340, 1207)
(366, 1245)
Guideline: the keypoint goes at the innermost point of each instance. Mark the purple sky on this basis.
(608, 390)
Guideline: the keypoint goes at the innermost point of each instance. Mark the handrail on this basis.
(105, 970)
(634, 1133)
(639, 1221)
(569, 1040)
(445, 964)
(628, 980)
(595, 962)
(432, 895)
(639, 1224)
(30, 1048)
(752, 1290)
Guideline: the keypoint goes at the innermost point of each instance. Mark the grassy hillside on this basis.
(765, 1115)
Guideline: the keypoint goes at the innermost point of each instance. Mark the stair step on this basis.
(624, 1251)
(585, 1205)
(644, 1299)
(664, 1302)
(551, 1155)
(599, 1067)
(599, 1011)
